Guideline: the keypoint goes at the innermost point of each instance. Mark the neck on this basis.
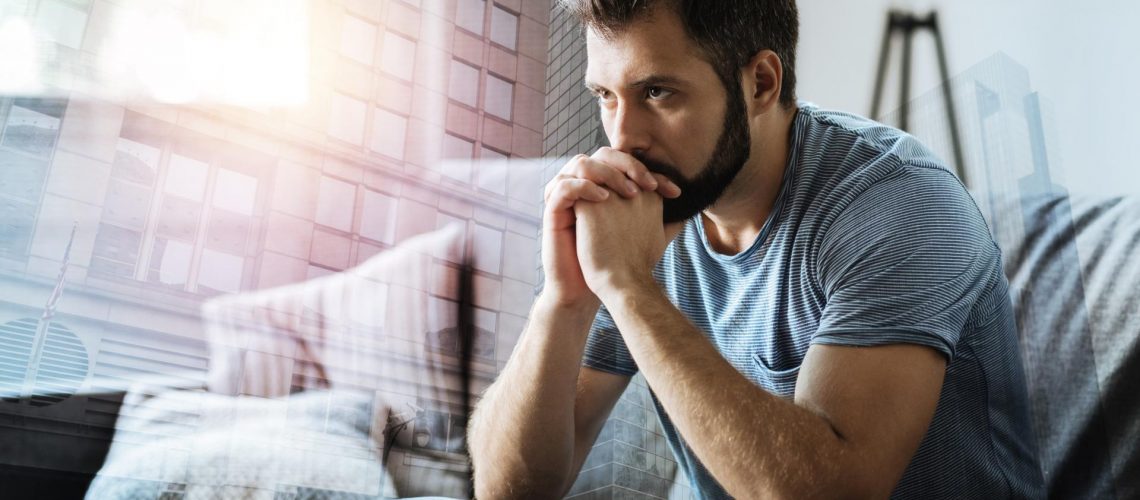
(736, 219)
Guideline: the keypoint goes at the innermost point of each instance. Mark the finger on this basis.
(667, 188)
(602, 174)
(550, 185)
(568, 191)
(632, 167)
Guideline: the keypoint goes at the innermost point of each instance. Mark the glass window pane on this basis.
(488, 249)
(17, 219)
(22, 177)
(357, 39)
(335, 204)
(235, 192)
(186, 177)
(126, 204)
(346, 119)
(228, 231)
(220, 271)
(116, 251)
(469, 15)
(504, 27)
(389, 131)
(170, 262)
(497, 99)
(399, 55)
(453, 253)
(378, 220)
(492, 172)
(33, 125)
(61, 23)
(457, 153)
(178, 219)
(463, 85)
(136, 162)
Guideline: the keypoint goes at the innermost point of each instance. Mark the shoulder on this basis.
(856, 139)
(844, 162)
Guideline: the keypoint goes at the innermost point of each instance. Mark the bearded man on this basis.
(813, 298)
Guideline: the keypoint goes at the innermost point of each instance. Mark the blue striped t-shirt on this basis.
(871, 241)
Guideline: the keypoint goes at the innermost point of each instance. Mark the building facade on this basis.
(416, 115)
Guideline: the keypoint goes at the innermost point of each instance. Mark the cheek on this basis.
(693, 140)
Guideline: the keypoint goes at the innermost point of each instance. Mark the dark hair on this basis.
(729, 32)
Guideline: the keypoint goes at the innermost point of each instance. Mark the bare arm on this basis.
(535, 425)
(858, 417)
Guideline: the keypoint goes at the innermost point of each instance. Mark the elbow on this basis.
(508, 489)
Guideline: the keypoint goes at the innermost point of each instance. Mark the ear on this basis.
(763, 78)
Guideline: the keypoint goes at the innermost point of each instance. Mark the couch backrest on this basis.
(1074, 277)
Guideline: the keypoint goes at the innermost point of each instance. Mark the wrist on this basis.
(616, 286)
(577, 309)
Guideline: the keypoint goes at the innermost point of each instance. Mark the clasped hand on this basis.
(602, 226)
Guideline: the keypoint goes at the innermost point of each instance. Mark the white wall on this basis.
(1082, 56)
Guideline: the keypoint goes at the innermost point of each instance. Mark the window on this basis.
(335, 204)
(487, 248)
(378, 219)
(170, 263)
(126, 207)
(469, 15)
(186, 177)
(454, 252)
(457, 154)
(32, 125)
(220, 271)
(399, 56)
(346, 119)
(28, 133)
(136, 162)
(497, 97)
(61, 23)
(228, 231)
(358, 39)
(463, 84)
(389, 131)
(116, 251)
(235, 192)
(492, 172)
(204, 196)
(504, 28)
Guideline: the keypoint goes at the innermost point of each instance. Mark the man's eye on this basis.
(658, 92)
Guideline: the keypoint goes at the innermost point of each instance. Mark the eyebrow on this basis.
(649, 81)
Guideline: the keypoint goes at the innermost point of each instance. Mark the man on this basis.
(822, 313)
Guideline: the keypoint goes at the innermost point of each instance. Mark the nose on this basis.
(627, 130)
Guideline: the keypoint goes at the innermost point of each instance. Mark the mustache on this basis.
(666, 169)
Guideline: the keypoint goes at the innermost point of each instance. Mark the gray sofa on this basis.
(1075, 283)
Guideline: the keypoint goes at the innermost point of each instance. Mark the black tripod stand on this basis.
(907, 24)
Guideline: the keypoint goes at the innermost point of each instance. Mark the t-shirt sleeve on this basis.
(606, 349)
(905, 262)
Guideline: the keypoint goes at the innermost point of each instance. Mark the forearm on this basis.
(755, 444)
(522, 433)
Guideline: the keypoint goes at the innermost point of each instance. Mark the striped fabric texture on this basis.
(871, 241)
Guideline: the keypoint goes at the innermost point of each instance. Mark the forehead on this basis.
(655, 45)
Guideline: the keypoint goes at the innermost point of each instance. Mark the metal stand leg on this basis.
(907, 24)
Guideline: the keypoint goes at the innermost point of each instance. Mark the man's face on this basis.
(663, 103)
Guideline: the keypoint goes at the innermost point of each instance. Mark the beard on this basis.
(732, 150)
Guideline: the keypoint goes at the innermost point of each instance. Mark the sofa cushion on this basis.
(1075, 284)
